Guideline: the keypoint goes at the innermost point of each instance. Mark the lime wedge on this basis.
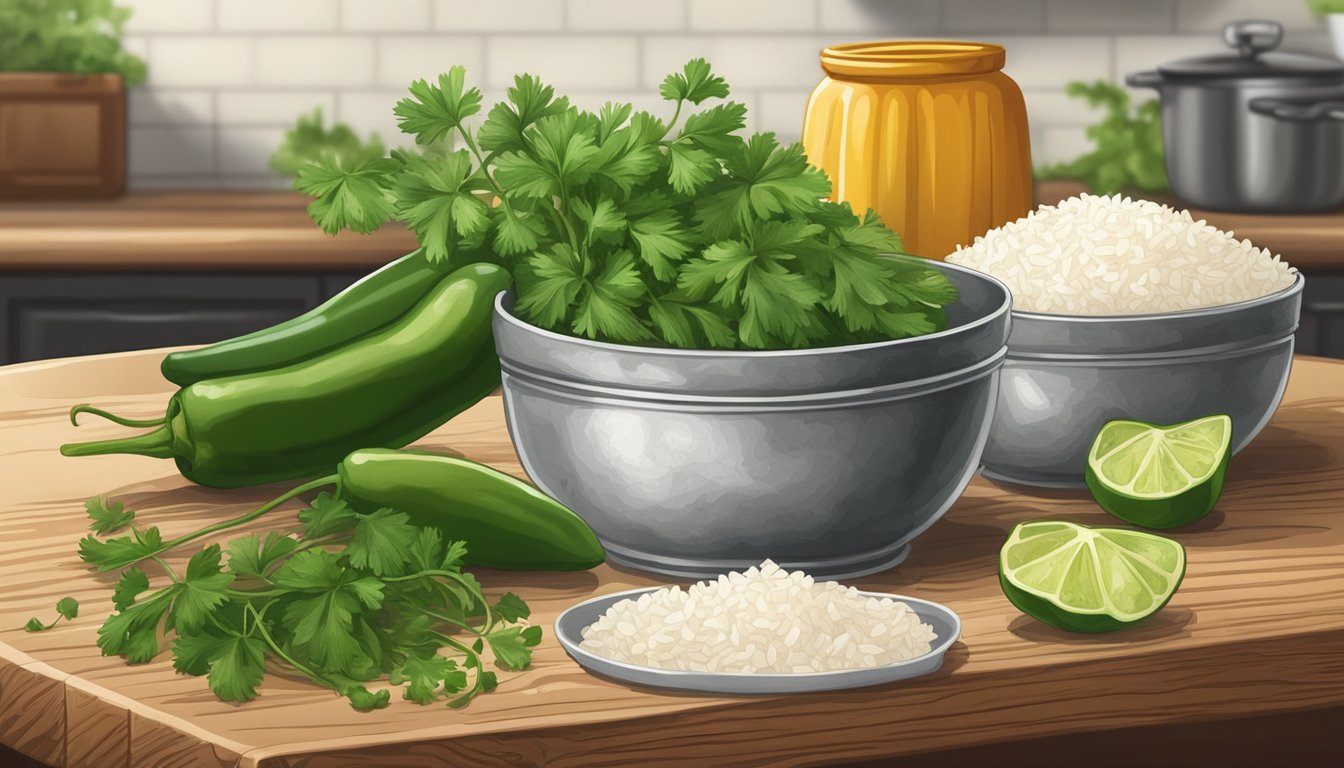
(1088, 579)
(1160, 477)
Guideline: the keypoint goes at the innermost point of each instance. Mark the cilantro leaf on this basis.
(107, 516)
(529, 100)
(428, 677)
(454, 556)
(67, 608)
(381, 542)
(106, 555)
(435, 110)
(553, 286)
(435, 199)
(512, 646)
(605, 306)
(251, 557)
(311, 570)
(237, 666)
(425, 553)
(690, 168)
(129, 586)
(516, 231)
(511, 607)
(660, 240)
(201, 590)
(351, 194)
(327, 515)
(600, 220)
(712, 129)
(133, 631)
(694, 83)
(362, 700)
(192, 652)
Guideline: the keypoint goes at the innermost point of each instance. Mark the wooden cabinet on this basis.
(49, 314)
(62, 135)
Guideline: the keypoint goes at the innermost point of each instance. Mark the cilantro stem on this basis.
(675, 115)
(166, 568)
(275, 648)
(234, 522)
(485, 168)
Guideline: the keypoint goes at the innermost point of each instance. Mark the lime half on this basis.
(1088, 579)
(1160, 477)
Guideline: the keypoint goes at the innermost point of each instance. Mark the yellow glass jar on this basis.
(930, 134)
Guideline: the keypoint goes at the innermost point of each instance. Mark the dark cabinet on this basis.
(45, 315)
(1321, 331)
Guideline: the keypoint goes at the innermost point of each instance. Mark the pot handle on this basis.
(1149, 79)
(1299, 111)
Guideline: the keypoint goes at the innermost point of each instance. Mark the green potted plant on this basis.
(63, 77)
(1129, 154)
(1333, 11)
(702, 355)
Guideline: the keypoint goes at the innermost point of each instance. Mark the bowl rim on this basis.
(504, 310)
(1299, 281)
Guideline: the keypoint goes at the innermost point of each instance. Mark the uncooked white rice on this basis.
(1113, 255)
(763, 620)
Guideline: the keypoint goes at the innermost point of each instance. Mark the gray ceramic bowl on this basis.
(1067, 375)
(690, 463)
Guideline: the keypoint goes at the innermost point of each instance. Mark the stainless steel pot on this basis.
(1254, 130)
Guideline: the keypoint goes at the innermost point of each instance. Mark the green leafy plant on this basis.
(310, 140)
(342, 599)
(66, 608)
(623, 227)
(1325, 7)
(1129, 149)
(81, 36)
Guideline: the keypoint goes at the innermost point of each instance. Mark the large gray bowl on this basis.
(689, 463)
(1067, 375)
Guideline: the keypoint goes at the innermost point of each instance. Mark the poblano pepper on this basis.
(384, 389)
(376, 300)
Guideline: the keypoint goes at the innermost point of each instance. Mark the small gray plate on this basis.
(569, 628)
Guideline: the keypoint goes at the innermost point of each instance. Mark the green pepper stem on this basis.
(157, 444)
(122, 420)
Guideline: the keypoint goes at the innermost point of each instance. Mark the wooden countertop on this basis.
(1310, 242)
(272, 231)
(1257, 627)
(186, 231)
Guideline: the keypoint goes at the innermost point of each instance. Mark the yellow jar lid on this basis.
(911, 58)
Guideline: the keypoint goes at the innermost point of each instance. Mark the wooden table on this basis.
(1256, 629)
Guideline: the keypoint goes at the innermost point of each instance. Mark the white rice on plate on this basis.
(1114, 255)
(765, 620)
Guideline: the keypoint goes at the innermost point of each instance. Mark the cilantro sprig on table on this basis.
(344, 599)
(623, 227)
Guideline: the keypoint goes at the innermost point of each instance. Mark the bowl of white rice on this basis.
(762, 630)
(1126, 308)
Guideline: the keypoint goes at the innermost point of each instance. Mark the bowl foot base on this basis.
(1014, 482)
(850, 567)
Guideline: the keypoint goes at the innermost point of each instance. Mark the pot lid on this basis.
(1253, 41)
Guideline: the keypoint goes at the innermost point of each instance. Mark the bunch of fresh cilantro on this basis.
(1128, 152)
(82, 36)
(623, 227)
(343, 600)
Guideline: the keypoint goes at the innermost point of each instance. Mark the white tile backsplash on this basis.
(403, 59)
(755, 15)
(157, 16)
(503, 16)
(272, 108)
(176, 151)
(158, 106)
(1000, 16)
(199, 61)
(226, 76)
(880, 18)
(626, 16)
(386, 15)
(1110, 16)
(569, 61)
(336, 61)
(278, 15)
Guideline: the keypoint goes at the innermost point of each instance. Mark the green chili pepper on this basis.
(385, 389)
(376, 300)
(506, 523)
